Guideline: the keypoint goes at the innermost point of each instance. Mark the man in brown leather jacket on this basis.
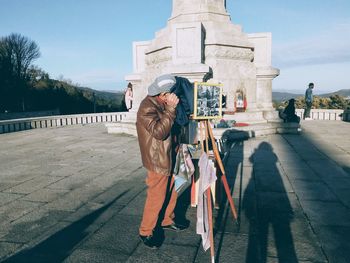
(155, 118)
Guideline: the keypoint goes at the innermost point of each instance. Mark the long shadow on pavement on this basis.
(233, 155)
(263, 205)
(60, 245)
(273, 208)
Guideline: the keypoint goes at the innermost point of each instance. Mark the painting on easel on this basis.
(207, 101)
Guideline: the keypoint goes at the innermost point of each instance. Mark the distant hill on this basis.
(115, 96)
(283, 96)
(53, 97)
(112, 91)
(48, 94)
(342, 92)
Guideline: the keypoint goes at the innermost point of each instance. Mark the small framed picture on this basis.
(207, 101)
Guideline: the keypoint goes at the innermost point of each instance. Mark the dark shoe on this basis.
(175, 227)
(149, 241)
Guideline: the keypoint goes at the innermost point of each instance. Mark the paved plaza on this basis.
(76, 194)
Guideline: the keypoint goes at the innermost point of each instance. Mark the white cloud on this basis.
(330, 46)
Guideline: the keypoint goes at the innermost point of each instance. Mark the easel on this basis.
(204, 124)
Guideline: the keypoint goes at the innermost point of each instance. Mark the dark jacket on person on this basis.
(289, 112)
(153, 124)
(183, 88)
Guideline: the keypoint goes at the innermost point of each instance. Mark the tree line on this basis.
(332, 102)
(25, 87)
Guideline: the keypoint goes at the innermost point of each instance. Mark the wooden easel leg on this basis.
(229, 197)
(210, 210)
(193, 192)
(223, 176)
(211, 234)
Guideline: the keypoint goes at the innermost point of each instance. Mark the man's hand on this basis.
(172, 99)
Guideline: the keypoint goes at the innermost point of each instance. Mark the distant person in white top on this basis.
(308, 101)
(128, 96)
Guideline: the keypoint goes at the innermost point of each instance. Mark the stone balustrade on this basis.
(111, 117)
(59, 120)
(326, 114)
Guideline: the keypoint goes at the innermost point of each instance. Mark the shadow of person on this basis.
(232, 153)
(273, 211)
(232, 158)
(57, 247)
(182, 205)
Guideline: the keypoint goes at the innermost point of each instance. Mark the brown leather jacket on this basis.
(154, 122)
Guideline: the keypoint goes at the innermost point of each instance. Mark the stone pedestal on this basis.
(265, 73)
(201, 43)
(184, 9)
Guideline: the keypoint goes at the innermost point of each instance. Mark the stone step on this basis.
(257, 130)
(121, 127)
(246, 117)
(252, 130)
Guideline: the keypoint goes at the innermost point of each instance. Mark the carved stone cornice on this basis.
(267, 72)
(159, 56)
(229, 52)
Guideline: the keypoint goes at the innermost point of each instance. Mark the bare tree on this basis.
(21, 51)
(17, 52)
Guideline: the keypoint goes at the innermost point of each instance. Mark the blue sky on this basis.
(90, 41)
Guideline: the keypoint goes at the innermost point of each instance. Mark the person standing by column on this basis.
(308, 101)
(155, 119)
(128, 96)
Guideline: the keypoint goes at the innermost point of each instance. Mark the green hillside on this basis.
(335, 100)
(342, 92)
(71, 99)
(283, 96)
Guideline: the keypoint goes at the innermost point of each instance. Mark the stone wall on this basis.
(61, 120)
(326, 114)
(18, 115)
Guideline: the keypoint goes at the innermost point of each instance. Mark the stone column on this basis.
(264, 79)
(139, 65)
(265, 73)
(183, 7)
(187, 51)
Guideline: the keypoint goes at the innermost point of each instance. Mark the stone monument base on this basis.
(258, 130)
(126, 126)
(257, 126)
(122, 127)
(253, 117)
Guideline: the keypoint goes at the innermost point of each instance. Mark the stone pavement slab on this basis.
(335, 242)
(76, 194)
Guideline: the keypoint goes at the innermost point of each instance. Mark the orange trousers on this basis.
(161, 196)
